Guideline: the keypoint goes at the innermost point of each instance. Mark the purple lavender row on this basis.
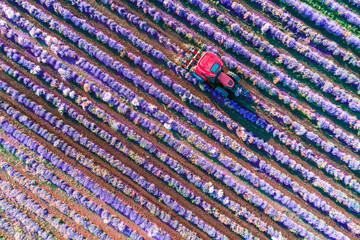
(19, 223)
(315, 37)
(307, 12)
(32, 206)
(16, 228)
(29, 204)
(338, 9)
(38, 170)
(100, 36)
(30, 225)
(87, 8)
(7, 227)
(35, 167)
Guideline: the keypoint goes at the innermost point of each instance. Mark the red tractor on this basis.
(209, 67)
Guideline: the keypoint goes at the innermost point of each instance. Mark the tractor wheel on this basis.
(233, 76)
(222, 91)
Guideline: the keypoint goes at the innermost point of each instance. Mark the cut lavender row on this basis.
(354, 2)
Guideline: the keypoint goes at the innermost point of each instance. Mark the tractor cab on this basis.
(209, 67)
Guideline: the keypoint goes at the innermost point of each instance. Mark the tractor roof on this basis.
(206, 64)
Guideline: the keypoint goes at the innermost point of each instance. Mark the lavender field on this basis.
(105, 133)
